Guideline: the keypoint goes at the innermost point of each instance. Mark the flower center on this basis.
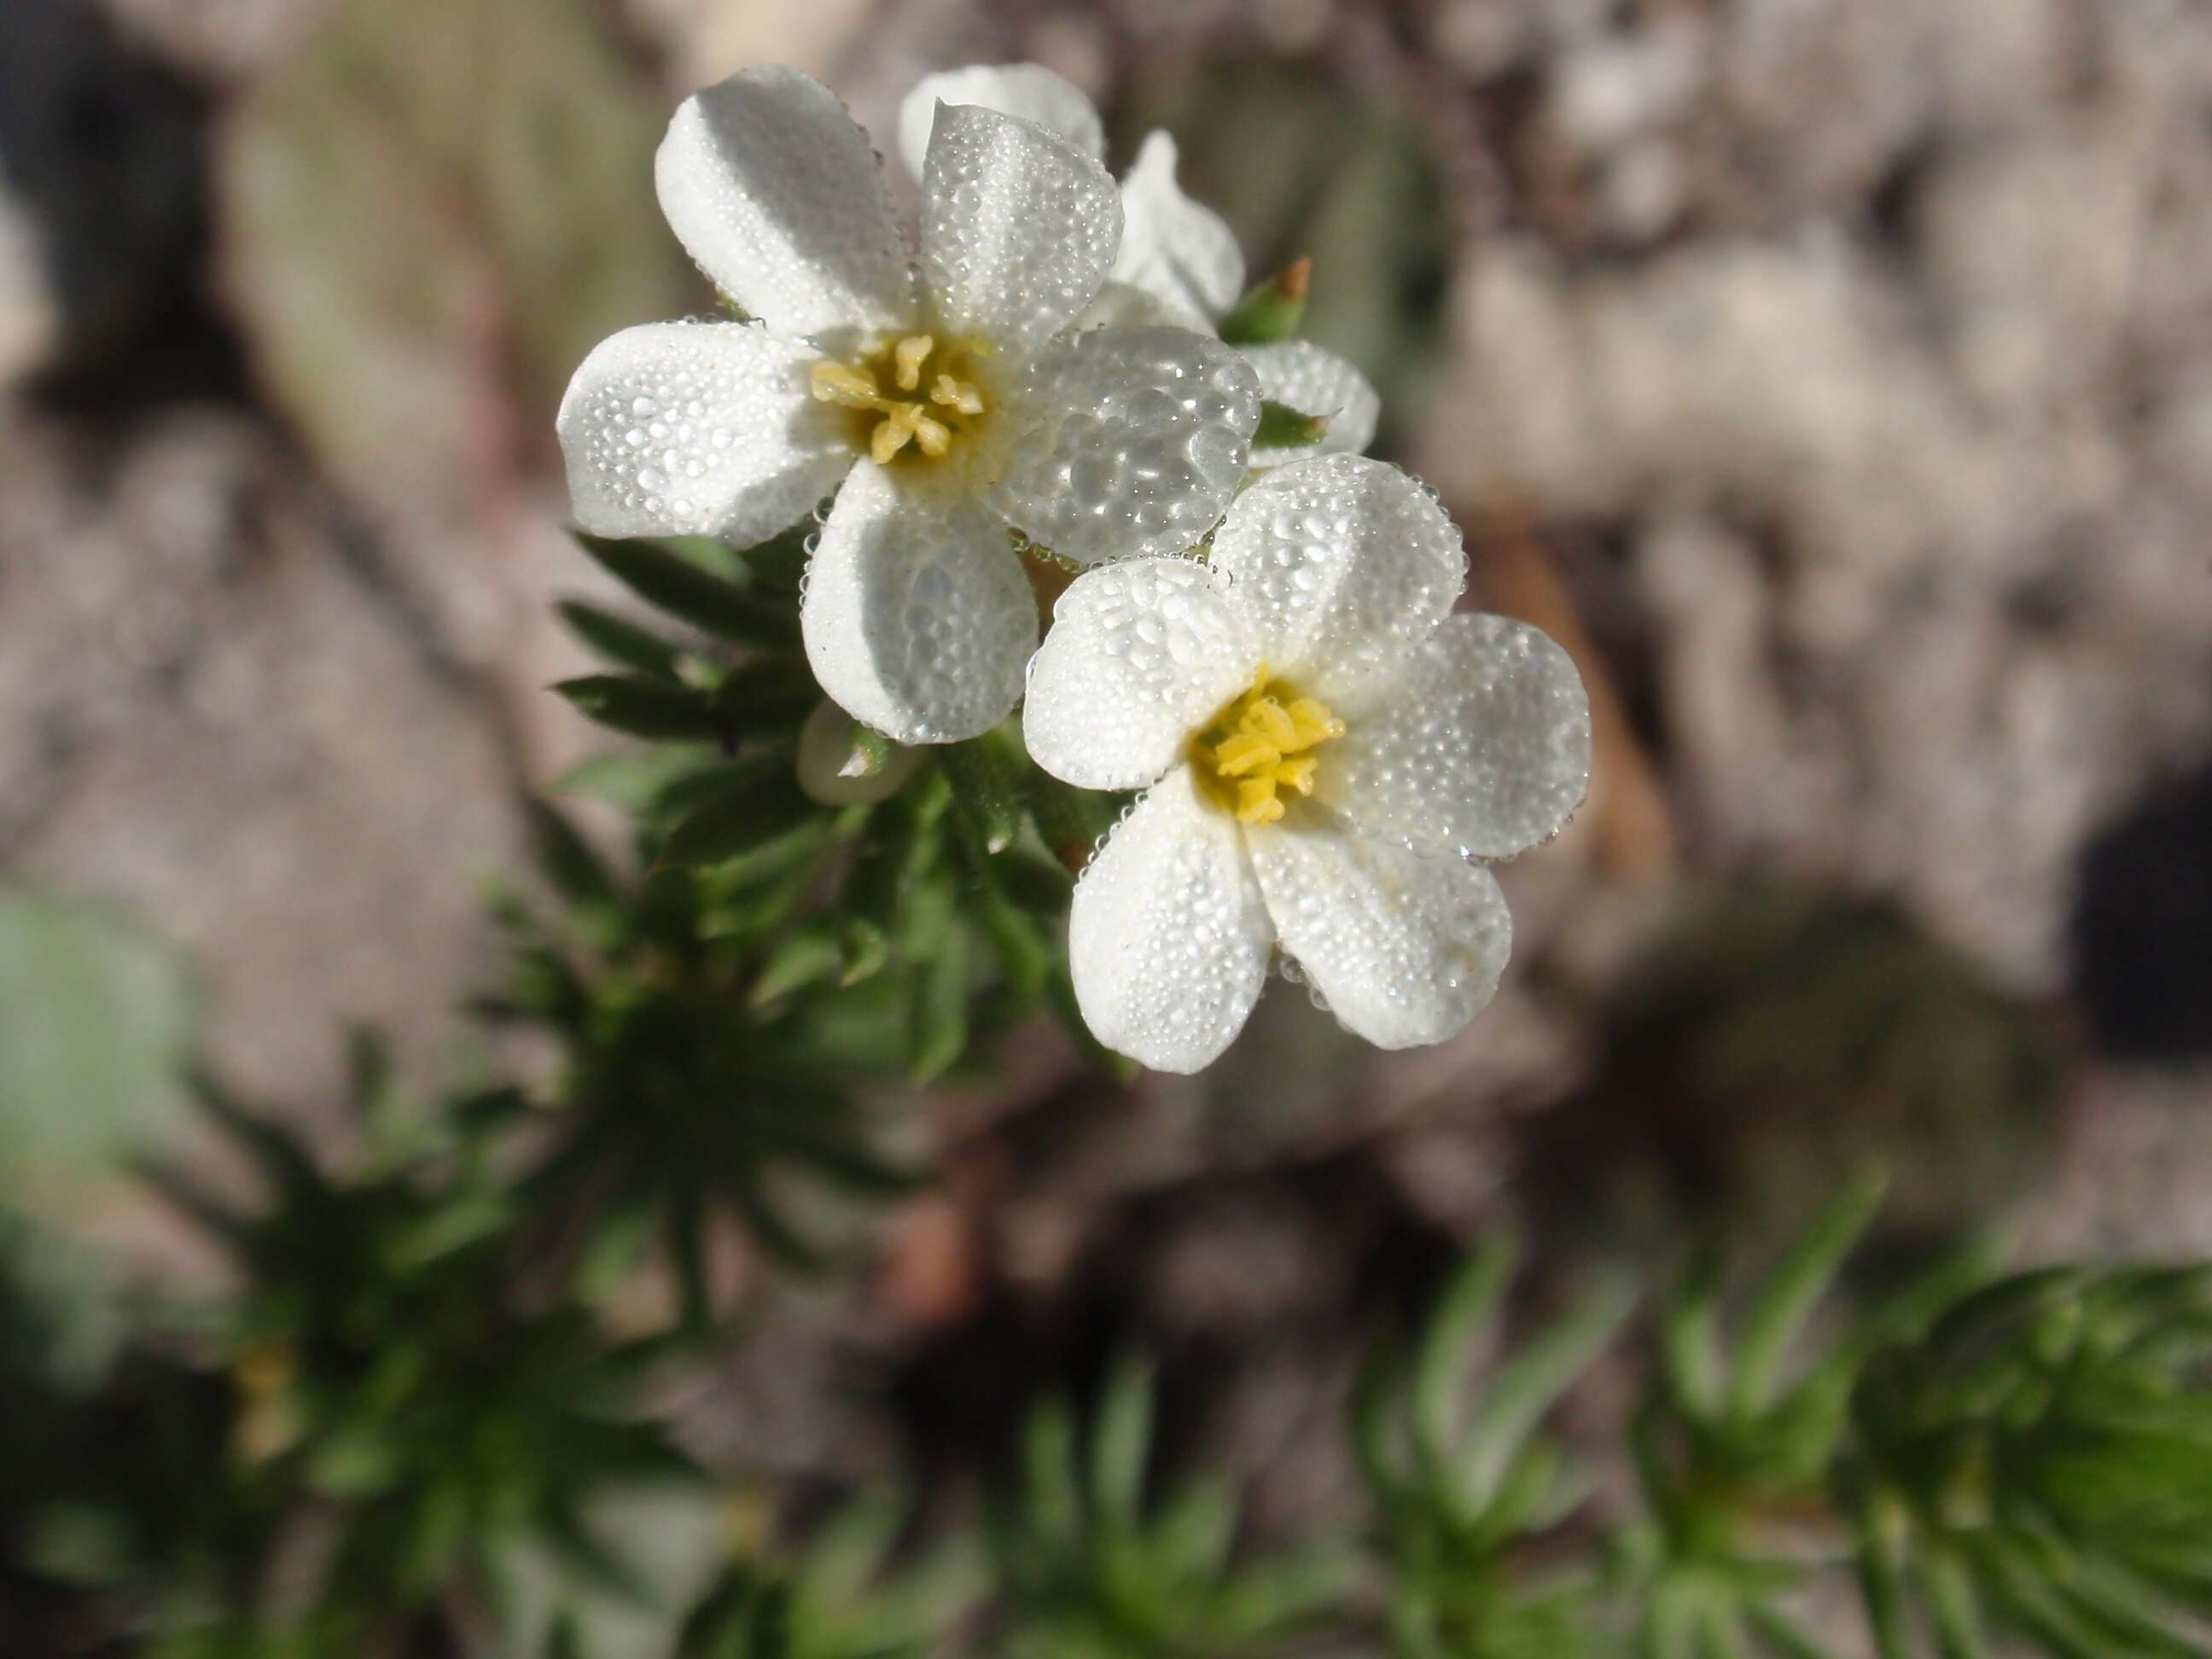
(912, 396)
(1259, 745)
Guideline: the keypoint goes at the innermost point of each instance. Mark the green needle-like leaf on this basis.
(642, 707)
(684, 589)
(1121, 1443)
(1528, 1386)
(1446, 1357)
(1791, 1294)
(623, 642)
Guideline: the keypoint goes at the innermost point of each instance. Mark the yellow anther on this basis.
(1313, 722)
(840, 383)
(911, 353)
(1254, 749)
(1257, 802)
(1264, 719)
(885, 388)
(1243, 751)
(956, 394)
(893, 432)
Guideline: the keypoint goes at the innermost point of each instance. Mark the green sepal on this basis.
(1271, 312)
(1282, 427)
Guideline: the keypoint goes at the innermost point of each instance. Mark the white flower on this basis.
(1178, 263)
(952, 402)
(1329, 743)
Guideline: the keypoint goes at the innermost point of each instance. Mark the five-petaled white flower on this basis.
(1326, 747)
(1178, 263)
(952, 402)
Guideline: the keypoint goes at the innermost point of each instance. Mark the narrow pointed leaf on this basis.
(684, 589)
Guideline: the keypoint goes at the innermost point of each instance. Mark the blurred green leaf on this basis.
(686, 589)
(96, 1031)
(431, 213)
(643, 707)
(621, 642)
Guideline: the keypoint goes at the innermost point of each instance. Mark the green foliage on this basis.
(95, 1026)
(2041, 1463)
(1094, 1573)
(394, 1368)
(1463, 1498)
(721, 1009)
(840, 1597)
(441, 1368)
(1730, 1450)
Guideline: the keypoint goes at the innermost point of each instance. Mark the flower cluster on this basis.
(1263, 636)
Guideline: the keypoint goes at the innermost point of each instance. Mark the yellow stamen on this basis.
(1256, 746)
(956, 394)
(911, 353)
(893, 432)
(840, 383)
(906, 419)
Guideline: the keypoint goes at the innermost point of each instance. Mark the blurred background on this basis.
(1832, 377)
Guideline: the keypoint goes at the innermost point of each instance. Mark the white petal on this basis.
(917, 617)
(1486, 749)
(1405, 949)
(1167, 938)
(770, 186)
(1181, 253)
(1346, 565)
(705, 428)
(1127, 441)
(1301, 375)
(1019, 228)
(1139, 655)
(1029, 91)
(1118, 305)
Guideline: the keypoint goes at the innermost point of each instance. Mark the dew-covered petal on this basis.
(917, 618)
(1301, 375)
(1484, 746)
(1019, 228)
(1117, 305)
(1178, 252)
(774, 191)
(1139, 655)
(1167, 937)
(1346, 565)
(1406, 949)
(705, 429)
(1029, 91)
(1127, 441)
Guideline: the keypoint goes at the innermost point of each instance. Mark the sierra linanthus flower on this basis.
(1328, 749)
(1178, 262)
(944, 397)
